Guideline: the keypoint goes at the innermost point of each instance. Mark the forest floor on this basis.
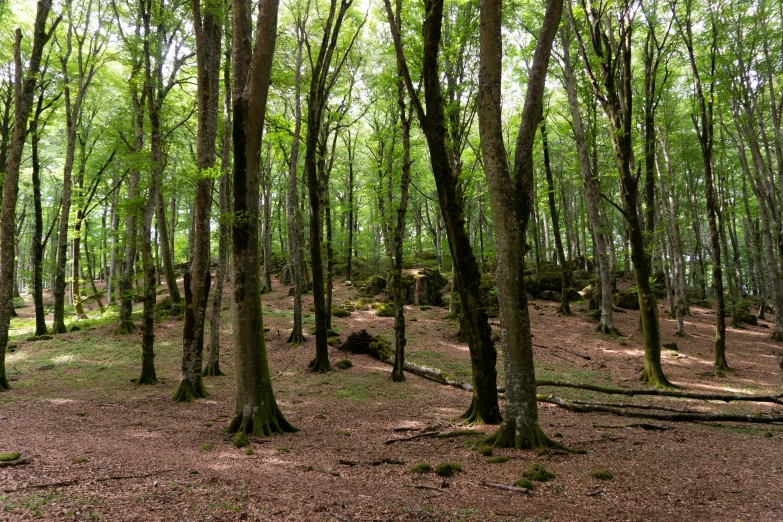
(102, 448)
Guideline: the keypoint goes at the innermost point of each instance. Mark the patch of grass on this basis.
(447, 469)
(81, 414)
(535, 471)
(208, 424)
(283, 449)
(346, 433)
(8, 456)
(601, 474)
(249, 451)
(207, 447)
(499, 459)
(421, 468)
(79, 460)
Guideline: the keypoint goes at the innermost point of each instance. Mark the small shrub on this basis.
(344, 364)
(537, 472)
(765, 434)
(421, 468)
(601, 474)
(500, 459)
(249, 451)
(524, 483)
(447, 469)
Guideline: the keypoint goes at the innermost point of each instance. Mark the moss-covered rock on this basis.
(601, 474)
(362, 305)
(627, 299)
(340, 312)
(8, 456)
(550, 280)
(525, 483)
(421, 468)
(362, 342)
(573, 294)
(531, 286)
(581, 277)
(748, 318)
(344, 364)
(550, 295)
(484, 449)
(447, 469)
(385, 310)
(535, 471)
(373, 286)
(670, 346)
(334, 340)
(241, 440)
(348, 306)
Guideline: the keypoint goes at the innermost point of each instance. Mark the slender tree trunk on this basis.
(565, 279)
(24, 87)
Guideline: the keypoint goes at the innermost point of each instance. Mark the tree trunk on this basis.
(484, 406)
(24, 87)
(565, 279)
(257, 412)
(511, 201)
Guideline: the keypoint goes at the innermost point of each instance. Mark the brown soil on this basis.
(146, 457)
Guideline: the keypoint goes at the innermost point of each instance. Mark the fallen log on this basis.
(724, 397)
(671, 417)
(17, 462)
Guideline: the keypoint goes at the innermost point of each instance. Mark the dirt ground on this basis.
(102, 448)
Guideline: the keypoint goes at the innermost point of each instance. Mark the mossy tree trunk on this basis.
(564, 308)
(256, 411)
(612, 87)
(208, 28)
(24, 88)
(405, 114)
(484, 407)
(148, 375)
(511, 200)
(592, 188)
(704, 125)
(212, 368)
(296, 337)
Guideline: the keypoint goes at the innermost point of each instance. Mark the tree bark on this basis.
(511, 201)
(257, 412)
(24, 88)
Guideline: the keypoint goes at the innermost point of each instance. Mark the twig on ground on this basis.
(17, 462)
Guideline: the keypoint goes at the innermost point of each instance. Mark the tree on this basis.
(611, 55)
(484, 406)
(208, 28)
(256, 411)
(24, 89)
(511, 199)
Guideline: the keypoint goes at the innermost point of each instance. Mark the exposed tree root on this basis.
(212, 370)
(777, 336)
(296, 338)
(125, 328)
(473, 416)
(509, 435)
(320, 365)
(654, 377)
(147, 377)
(189, 392)
(725, 397)
(671, 417)
(611, 332)
(265, 422)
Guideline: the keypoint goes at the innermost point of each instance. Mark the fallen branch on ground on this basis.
(504, 488)
(76, 481)
(672, 417)
(17, 462)
(725, 397)
(412, 437)
(642, 425)
(636, 406)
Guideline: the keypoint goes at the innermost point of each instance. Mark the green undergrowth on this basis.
(358, 387)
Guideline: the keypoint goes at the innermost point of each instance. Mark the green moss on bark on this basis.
(189, 391)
